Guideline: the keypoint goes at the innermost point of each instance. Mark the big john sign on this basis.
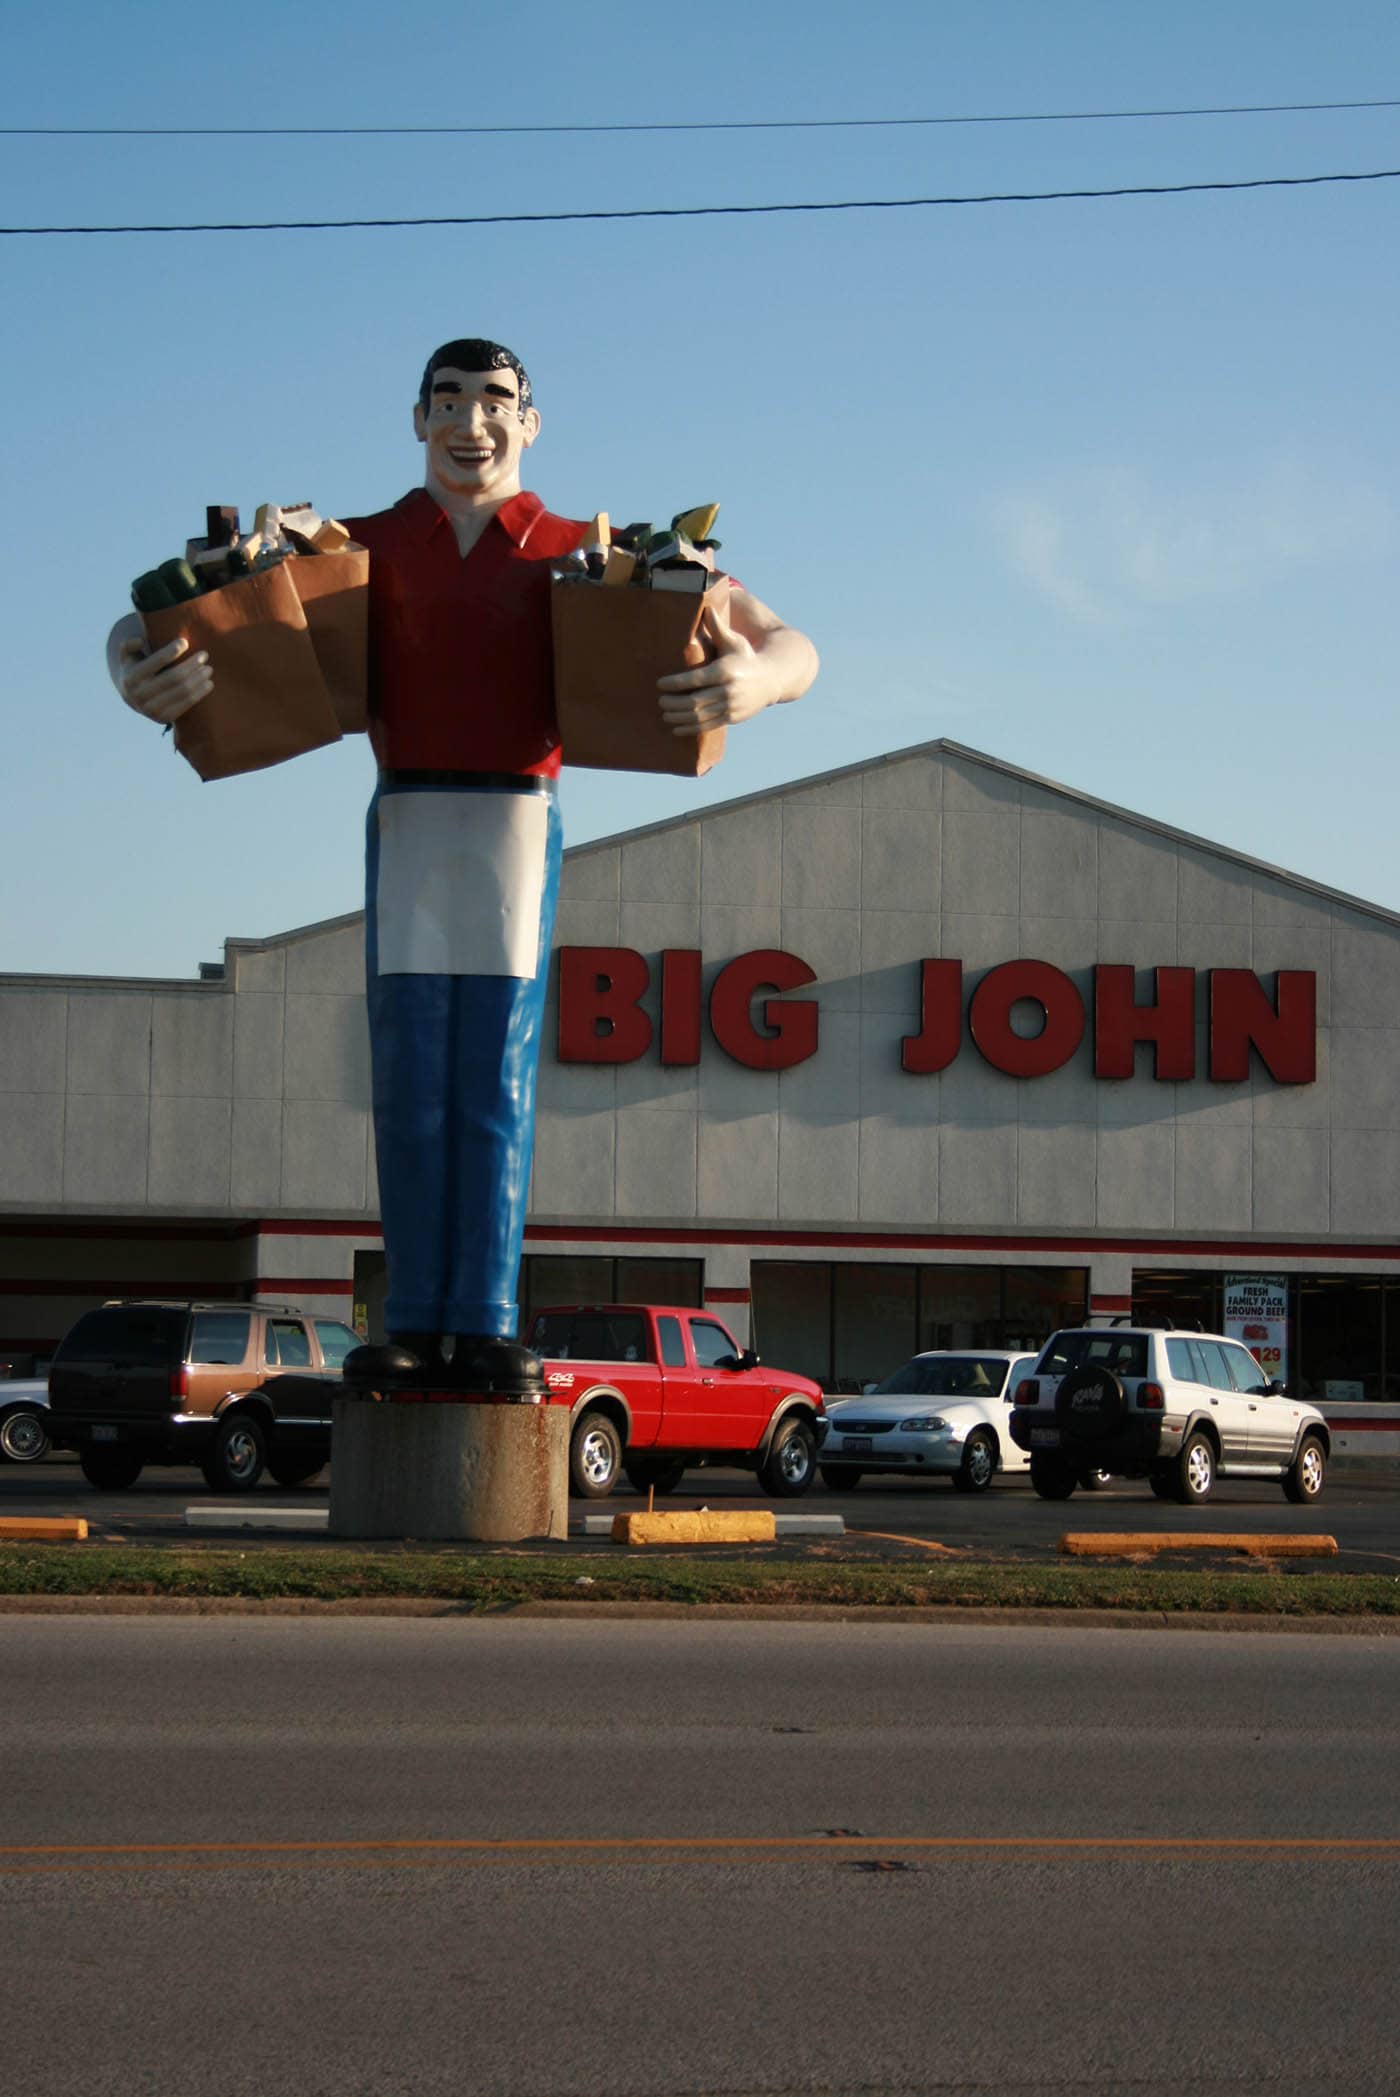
(754, 1018)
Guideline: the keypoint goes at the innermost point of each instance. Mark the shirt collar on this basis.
(517, 516)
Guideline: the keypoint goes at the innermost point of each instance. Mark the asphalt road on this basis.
(1008, 1522)
(1073, 1861)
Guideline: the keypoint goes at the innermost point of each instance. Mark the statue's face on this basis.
(475, 432)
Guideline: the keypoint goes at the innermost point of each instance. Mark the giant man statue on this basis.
(464, 849)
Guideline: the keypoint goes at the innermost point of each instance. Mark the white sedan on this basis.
(24, 1420)
(944, 1412)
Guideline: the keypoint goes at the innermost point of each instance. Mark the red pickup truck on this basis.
(654, 1390)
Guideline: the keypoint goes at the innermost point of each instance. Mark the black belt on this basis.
(510, 782)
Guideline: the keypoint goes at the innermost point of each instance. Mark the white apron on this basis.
(461, 882)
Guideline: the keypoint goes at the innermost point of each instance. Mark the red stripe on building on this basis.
(183, 1290)
(728, 1296)
(302, 1285)
(688, 1234)
(691, 1234)
(186, 1290)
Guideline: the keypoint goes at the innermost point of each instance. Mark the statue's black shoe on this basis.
(411, 1362)
(496, 1368)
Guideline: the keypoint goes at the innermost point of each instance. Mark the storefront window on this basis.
(960, 1307)
(792, 1315)
(850, 1323)
(1177, 1296)
(875, 1322)
(1390, 1380)
(1342, 1332)
(546, 1279)
(1339, 1338)
(1038, 1299)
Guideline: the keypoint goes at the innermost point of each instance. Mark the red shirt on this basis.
(461, 654)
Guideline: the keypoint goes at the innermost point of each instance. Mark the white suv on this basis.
(1177, 1408)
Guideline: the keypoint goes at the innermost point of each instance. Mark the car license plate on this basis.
(104, 1434)
(1045, 1437)
(856, 1443)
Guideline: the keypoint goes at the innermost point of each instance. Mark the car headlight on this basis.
(926, 1423)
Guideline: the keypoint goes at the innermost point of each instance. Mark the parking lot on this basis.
(884, 1517)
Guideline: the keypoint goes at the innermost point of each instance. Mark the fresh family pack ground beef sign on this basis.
(1026, 1018)
(1256, 1311)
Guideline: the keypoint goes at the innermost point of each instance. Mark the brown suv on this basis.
(231, 1387)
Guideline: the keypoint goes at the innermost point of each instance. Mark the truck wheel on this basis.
(791, 1462)
(1052, 1477)
(233, 1462)
(1193, 1473)
(653, 1474)
(979, 1463)
(1303, 1480)
(840, 1478)
(595, 1457)
(110, 1470)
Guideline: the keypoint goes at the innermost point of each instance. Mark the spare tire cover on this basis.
(1089, 1405)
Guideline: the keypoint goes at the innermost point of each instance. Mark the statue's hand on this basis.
(733, 686)
(162, 683)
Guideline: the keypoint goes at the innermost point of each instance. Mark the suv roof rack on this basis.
(202, 1303)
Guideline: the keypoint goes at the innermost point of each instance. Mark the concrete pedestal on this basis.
(450, 1472)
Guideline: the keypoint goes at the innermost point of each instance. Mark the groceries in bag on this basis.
(628, 608)
(282, 613)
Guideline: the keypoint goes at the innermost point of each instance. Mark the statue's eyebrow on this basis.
(501, 391)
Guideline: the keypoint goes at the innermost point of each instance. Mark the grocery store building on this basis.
(923, 1052)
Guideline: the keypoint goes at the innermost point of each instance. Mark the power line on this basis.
(559, 218)
(1059, 116)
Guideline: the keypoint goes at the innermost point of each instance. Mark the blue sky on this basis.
(1107, 489)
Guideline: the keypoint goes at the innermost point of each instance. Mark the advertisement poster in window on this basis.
(1256, 1311)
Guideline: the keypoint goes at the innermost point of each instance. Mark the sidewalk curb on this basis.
(968, 1616)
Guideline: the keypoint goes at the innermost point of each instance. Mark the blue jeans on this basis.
(454, 1059)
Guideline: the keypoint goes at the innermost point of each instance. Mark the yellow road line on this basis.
(432, 1849)
(921, 1543)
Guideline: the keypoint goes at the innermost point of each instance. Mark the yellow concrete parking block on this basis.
(1109, 1545)
(697, 1526)
(43, 1529)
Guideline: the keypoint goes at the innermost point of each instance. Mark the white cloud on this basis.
(1107, 544)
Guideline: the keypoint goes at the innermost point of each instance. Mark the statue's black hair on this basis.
(474, 354)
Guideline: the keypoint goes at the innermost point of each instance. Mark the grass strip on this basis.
(495, 1581)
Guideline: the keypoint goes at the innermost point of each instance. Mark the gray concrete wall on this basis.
(250, 1096)
(937, 854)
(247, 1096)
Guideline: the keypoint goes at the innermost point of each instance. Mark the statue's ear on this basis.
(420, 422)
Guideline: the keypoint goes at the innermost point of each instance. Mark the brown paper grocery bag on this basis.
(334, 593)
(269, 700)
(610, 647)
